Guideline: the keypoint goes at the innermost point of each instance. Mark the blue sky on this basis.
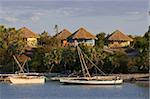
(129, 16)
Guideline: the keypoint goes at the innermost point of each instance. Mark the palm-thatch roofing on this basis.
(62, 35)
(27, 33)
(81, 33)
(119, 36)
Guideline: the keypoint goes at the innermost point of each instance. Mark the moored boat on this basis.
(26, 79)
(92, 81)
(87, 79)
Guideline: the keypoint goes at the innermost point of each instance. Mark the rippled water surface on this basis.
(55, 90)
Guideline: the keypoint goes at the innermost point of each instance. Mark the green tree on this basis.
(70, 58)
(11, 43)
(119, 62)
(140, 43)
(47, 54)
(100, 41)
(48, 42)
(52, 59)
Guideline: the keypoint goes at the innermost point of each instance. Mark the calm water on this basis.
(54, 90)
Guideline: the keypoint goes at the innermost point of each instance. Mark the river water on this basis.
(55, 90)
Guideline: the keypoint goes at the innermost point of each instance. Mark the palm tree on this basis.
(56, 29)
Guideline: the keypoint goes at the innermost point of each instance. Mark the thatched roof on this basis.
(82, 34)
(119, 36)
(62, 35)
(26, 33)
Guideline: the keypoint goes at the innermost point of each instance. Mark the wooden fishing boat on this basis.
(91, 82)
(25, 78)
(87, 79)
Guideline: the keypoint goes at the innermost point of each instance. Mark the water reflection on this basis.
(102, 86)
(94, 86)
(55, 90)
(142, 83)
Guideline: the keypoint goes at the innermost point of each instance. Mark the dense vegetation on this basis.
(50, 56)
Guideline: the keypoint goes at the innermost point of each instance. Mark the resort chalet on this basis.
(82, 36)
(63, 35)
(117, 40)
(29, 36)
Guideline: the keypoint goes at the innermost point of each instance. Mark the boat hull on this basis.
(27, 80)
(91, 82)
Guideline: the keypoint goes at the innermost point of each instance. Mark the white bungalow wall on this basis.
(32, 42)
(88, 42)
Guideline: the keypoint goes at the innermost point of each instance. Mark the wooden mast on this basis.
(95, 65)
(21, 67)
(83, 64)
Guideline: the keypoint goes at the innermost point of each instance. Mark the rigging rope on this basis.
(84, 64)
(93, 64)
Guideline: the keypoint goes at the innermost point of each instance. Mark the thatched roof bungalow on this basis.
(29, 36)
(118, 39)
(82, 36)
(63, 35)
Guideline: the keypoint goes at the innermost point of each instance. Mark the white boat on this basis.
(94, 77)
(88, 79)
(92, 81)
(95, 80)
(27, 79)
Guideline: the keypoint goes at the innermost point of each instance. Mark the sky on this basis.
(129, 16)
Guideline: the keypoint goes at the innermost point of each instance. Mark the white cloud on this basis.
(36, 16)
(8, 16)
(133, 13)
(10, 19)
(65, 11)
(39, 13)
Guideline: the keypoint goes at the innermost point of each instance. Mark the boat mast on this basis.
(20, 66)
(95, 65)
(83, 64)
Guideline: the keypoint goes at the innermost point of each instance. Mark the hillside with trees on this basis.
(50, 56)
